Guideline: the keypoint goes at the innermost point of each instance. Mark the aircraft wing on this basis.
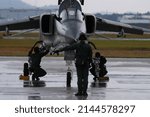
(112, 26)
(22, 24)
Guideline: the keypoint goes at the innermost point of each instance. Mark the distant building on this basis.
(136, 19)
(13, 14)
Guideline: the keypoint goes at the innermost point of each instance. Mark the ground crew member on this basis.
(34, 63)
(83, 58)
(121, 33)
(98, 66)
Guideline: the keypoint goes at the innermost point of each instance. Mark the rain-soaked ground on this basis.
(129, 80)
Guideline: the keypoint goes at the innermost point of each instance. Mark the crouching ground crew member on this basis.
(98, 66)
(83, 59)
(34, 62)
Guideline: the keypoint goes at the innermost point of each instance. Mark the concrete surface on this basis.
(129, 80)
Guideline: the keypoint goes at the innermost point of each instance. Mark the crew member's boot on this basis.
(37, 79)
(79, 93)
(33, 77)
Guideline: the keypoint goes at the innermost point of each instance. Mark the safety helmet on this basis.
(97, 54)
(82, 37)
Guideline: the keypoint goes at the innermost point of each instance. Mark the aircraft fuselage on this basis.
(69, 23)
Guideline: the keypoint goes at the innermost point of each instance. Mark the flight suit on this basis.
(34, 61)
(98, 67)
(83, 58)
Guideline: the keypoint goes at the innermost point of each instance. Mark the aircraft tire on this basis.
(68, 79)
(26, 69)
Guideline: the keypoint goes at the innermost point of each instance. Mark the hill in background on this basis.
(17, 4)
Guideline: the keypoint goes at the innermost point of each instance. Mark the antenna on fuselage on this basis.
(59, 2)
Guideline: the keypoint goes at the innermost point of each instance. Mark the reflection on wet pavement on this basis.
(129, 79)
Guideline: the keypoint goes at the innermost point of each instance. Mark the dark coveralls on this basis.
(98, 67)
(34, 61)
(83, 58)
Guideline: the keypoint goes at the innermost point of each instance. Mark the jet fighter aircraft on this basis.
(63, 28)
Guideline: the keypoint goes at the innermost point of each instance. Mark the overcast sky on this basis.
(92, 6)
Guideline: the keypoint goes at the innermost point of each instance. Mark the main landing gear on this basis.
(69, 77)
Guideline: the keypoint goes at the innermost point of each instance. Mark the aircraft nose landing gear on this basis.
(69, 77)
(69, 74)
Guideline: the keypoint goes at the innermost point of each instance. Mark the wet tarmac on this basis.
(129, 80)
